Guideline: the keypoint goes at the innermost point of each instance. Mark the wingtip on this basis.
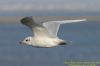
(79, 20)
(26, 19)
(84, 19)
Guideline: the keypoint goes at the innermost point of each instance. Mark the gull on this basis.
(44, 33)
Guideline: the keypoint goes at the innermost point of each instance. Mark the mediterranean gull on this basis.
(45, 33)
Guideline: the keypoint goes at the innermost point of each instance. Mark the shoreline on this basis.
(16, 19)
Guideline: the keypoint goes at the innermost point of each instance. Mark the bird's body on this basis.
(46, 42)
(45, 34)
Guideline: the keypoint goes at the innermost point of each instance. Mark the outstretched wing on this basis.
(53, 26)
(37, 29)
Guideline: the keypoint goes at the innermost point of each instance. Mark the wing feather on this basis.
(53, 26)
(28, 21)
(37, 29)
(47, 28)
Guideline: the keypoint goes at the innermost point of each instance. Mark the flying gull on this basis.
(45, 33)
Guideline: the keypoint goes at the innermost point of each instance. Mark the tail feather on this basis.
(62, 43)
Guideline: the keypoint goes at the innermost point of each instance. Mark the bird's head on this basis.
(27, 40)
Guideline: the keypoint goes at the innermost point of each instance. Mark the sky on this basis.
(36, 7)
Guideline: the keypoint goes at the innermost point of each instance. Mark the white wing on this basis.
(53, 26)
(37, 29)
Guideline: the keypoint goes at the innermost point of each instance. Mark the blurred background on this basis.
(49, 7)
(85, 35)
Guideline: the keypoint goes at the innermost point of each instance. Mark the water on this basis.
(85, 46)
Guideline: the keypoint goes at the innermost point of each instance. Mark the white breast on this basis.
(45, 42)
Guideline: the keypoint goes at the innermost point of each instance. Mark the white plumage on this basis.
(45, 33)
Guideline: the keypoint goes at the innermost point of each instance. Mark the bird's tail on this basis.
(65, 43)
